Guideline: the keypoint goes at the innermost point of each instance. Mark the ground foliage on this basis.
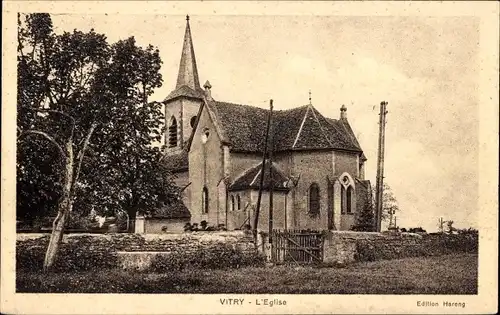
(447, 274)
(218, 256)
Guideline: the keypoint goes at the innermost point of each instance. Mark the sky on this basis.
(426, 68)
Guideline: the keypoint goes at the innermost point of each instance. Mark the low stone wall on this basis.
(348, 247)
(138, 251)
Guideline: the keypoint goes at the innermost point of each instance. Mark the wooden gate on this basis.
(296, 246)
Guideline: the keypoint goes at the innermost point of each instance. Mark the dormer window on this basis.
(172, 133)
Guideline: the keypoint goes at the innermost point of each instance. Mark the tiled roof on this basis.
(175, 209)
(301, 128)
(250, 179)
(176, 162)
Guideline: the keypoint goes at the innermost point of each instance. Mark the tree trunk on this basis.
(64, 208)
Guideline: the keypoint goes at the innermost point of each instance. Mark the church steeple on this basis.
(188, 72)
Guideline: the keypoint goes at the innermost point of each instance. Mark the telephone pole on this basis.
(264, 155)
(271, 175)
(380, 166)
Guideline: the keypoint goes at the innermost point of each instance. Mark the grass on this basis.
(448, 274)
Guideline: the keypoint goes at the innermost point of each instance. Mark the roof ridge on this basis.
(245, 172)
(336, 128)
(314, 110)
(300, 128)
(350, 133)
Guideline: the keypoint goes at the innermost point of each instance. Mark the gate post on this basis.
(263, 245)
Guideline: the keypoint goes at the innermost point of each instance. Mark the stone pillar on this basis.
(337, 206)
(139, 224)
(263, 245)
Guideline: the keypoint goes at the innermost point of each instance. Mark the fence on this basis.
(296, 246)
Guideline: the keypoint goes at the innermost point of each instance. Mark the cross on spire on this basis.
(310, 103)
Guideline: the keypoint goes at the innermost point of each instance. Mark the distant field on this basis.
(449, 274)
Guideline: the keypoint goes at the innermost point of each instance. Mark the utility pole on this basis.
(271, 177)
(441, 225)
(380, 166)
(264, 155)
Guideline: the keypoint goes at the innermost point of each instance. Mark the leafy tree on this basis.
(87, 100)
(365, 220)
(389, 202)
(131, 177)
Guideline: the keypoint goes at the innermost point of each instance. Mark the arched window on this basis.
(349, 200)
(204, 200)
(314, 199)
(238, 201)
(342, 200)
(232, 203)
(172, 133)
(347, 194)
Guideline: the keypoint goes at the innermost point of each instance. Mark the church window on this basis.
(204, 200)
(349, 200)
(342, 200)
(192, 121)
(232, 203)
(314, 199)
(238, 201)
(172, 133)
(347, 194)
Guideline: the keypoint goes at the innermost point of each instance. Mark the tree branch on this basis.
(41, 133)
(81, 154)
(73, 122)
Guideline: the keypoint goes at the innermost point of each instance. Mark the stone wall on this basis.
(347, 247)
(137, 251)
(313, 167)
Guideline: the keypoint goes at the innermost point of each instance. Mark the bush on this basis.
(218, 256)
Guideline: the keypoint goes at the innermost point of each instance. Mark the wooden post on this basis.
(264, 154)
(271, 177)
(380, 166)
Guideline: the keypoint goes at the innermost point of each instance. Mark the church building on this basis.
(215, 149)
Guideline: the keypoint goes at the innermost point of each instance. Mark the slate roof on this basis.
(175, 209)
(300, 128)
(250, 179)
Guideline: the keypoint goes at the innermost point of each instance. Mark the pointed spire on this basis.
(188, 72)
